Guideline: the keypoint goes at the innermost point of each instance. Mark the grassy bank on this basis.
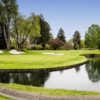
(5, 98)
(35, 59)
(48, 91)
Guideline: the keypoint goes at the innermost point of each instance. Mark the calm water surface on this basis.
(85, 77)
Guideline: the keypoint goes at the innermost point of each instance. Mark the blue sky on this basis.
(71, 15)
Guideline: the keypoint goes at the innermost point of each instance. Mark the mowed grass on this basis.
(5, 98)
(35, 59)
(39, 90)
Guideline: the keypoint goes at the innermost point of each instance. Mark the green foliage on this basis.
(36, 47)
(34, 20)
(48, 47)
(20, 31)
(92, 37)
(82, 44)
(61, 35)
(13, 44)
(44, 31)
(8, 9)
(77, 40)
(24, 29)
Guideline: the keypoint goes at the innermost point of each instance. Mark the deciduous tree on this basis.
(92, 37)
(8, 9)
(56, 43)
(24, 29)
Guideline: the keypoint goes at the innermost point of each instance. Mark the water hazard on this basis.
(85, 77)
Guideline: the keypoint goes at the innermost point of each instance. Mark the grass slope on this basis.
(48, 91)
(5, 98)
(35, 59)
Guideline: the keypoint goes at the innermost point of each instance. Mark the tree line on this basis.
(34, 32)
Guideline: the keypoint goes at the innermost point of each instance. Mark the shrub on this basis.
(36, 47)
(48, 47)
(13, 44)
(26, 44)
(56, 43)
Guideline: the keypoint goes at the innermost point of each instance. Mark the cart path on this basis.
(20, 95)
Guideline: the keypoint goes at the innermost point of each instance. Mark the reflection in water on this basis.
(85, 77)
(93, 70)
(77, 69)
(35, 79)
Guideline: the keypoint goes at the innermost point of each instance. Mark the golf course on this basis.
(44, 59)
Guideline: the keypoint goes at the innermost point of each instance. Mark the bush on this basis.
(56, 43)
(48, 47)
(26, 45)
(13, 44)
(36, 47)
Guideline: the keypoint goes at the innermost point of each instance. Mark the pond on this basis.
(84, 77)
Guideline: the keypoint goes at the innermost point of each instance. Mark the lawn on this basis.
(35, 59)
(5, 98)
(48, 91)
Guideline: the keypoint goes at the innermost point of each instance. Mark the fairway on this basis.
(36, 59)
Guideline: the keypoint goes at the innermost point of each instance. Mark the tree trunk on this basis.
(2, 39)
(8, 32)
(6, 36)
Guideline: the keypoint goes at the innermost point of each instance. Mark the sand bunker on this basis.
(48, 53)
(15, 52)
(1, 51)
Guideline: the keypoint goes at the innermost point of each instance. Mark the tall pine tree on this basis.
(61, 35)
(77, 40)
